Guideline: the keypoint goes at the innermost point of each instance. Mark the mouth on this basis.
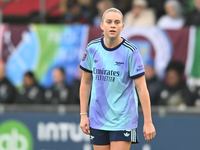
(112, 31)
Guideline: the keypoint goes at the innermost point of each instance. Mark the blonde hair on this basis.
(111, 10)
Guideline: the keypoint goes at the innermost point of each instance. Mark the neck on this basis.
(112, 42)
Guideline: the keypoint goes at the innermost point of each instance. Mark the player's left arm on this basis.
(148, 129)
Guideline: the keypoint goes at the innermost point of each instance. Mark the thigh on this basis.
(101, 147)
(120, 145)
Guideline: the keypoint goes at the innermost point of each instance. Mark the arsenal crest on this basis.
(84, 56)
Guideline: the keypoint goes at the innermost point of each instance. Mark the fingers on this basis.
(85, 128)
(145, 135)
(88, 128)
(154, 134)
(149, 136)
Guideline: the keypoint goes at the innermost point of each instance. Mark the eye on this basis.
(117, 22)
(108, 22)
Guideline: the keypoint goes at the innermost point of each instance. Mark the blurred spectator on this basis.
(187, 6)
(59, 92)
(86, 6)
(75, 13)
(140, 15)
(102, 6)
(7, 90)
(63, 6)
(74, 95)
(31, 92)
(158, 7)
(193, 18)
(153, 83)
(124, 6)
(197, 97)
(85, 2)
(174, 91)
(173, 18)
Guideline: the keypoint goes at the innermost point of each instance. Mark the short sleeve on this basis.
(86, 64)
(136, 67)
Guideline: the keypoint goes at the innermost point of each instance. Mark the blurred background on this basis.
(42, 43)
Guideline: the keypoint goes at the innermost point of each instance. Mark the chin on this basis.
(113, 35)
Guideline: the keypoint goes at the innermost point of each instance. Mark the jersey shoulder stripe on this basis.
(94, 41)
(130, 45)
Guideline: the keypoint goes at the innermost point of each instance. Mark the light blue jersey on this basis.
(114, 101)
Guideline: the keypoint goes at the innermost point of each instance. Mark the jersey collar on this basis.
(111, 49)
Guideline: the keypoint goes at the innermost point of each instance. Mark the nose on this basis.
(113, 25)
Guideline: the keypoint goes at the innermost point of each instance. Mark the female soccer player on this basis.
(112, 67)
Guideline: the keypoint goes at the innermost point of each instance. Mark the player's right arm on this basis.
(85, 88)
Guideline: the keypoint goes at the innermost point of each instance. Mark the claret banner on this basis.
(40, 48)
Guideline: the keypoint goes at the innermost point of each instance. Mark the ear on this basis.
(122, 27)
(101, 26)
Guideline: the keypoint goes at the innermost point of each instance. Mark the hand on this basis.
(85, 124)
(149, 131)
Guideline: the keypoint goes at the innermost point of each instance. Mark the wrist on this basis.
(147, 121)
(83, 114)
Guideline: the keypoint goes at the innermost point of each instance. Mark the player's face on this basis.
(112, 24)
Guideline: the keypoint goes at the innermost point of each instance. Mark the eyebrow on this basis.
(111, 20)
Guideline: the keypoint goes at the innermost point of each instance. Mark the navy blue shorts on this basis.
(101, 137)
